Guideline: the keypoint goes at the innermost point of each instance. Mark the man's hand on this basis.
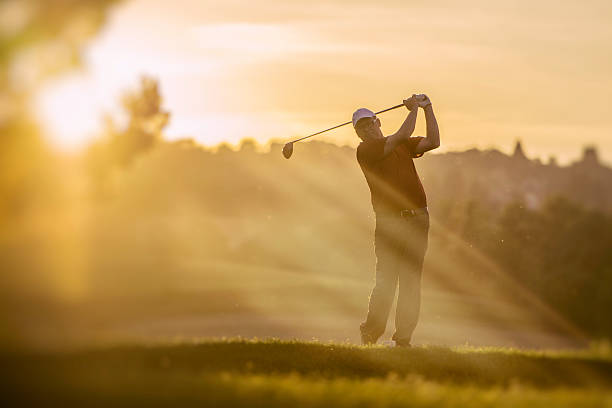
(423, 100)
(412, 103)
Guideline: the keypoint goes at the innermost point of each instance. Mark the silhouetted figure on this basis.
(402, 219)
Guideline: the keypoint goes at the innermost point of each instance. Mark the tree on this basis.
(119, 147)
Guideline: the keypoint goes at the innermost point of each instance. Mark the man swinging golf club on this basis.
(402, 220)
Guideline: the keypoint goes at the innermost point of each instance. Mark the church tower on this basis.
(518, 151)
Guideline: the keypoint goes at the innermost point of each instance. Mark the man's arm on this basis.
(405, 131)
(432, 140)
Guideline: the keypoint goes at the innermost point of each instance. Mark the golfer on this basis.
(402, 220)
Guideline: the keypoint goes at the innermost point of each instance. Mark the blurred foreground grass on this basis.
(279, 374)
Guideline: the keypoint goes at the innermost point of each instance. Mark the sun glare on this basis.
(70, 108)
(66, 109)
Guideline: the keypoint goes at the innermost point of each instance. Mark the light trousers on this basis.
(400, 246)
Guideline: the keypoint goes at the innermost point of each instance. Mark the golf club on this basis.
(288, 148)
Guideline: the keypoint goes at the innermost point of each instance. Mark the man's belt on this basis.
(407, 213)
(413, 212)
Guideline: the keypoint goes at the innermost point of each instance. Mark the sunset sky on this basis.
(495, 71)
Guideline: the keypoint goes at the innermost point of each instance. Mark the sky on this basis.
(538, 71)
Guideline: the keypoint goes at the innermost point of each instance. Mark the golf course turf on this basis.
(274, 373)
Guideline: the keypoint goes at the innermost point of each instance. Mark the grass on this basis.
(279, 374)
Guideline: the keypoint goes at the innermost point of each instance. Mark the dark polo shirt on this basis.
(393, 180)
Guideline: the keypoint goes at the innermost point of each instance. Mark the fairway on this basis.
(279, 374)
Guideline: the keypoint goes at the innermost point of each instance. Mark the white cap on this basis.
(362, 113)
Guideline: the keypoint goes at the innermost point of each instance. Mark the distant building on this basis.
(590, 156)
(518, 151)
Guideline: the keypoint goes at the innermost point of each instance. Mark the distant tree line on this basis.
(562, 252)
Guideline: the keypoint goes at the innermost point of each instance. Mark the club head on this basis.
(288, 150)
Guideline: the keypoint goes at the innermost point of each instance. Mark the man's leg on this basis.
(387, 250)
(410, 273)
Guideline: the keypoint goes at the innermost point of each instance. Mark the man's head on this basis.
(366, 124)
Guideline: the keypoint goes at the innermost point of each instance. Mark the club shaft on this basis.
(346, 123)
